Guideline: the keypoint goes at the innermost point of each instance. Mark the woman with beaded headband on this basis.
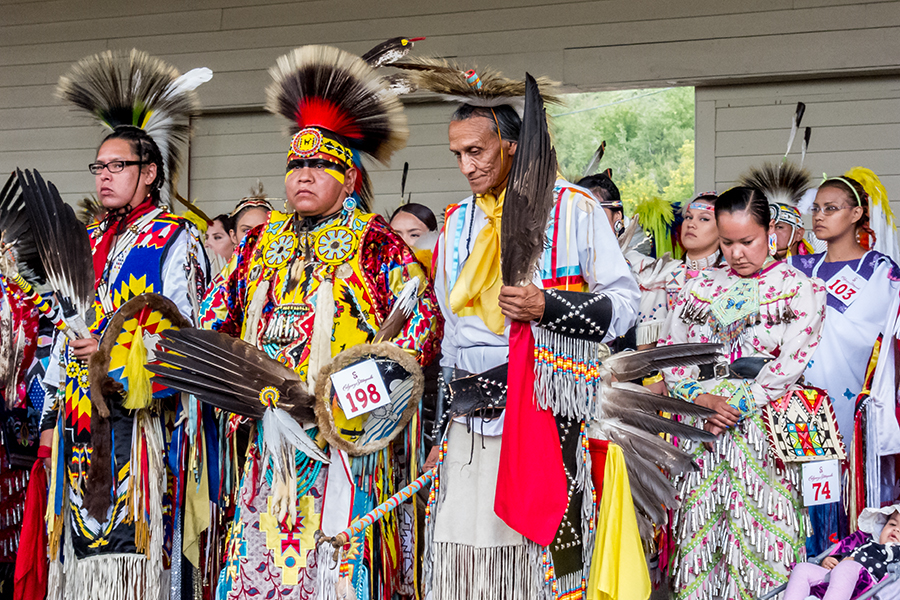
(110, 544)
(858, 343)
(741, 524)
(302, 287)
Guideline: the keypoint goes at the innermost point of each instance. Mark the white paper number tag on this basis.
(360, 388)
(845, 285)
(821, 482)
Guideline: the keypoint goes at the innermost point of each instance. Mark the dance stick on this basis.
(41, 304)
(379, 512)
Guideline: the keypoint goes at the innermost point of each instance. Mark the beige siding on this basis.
(586, 44)
(230, 151)
(855, 122)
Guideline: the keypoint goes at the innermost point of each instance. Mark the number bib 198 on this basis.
(845, 285)
(360, 389)
(821, 482)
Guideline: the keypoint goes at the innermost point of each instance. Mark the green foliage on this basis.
(649, 140)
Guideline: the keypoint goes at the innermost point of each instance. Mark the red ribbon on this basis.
(31, 559)
(104, 244)
(531, 484)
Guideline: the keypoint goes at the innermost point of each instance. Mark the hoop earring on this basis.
(773, 244)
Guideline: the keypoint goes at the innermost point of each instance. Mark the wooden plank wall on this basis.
(855, 122)
(586, 44)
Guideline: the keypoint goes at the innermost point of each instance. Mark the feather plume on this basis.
(135, 89)
(595, 159)
(400, 313)
(805, 146)
(228, 373)
(795, 126)
(90, 210)
(631, 365)
(635, 397)
(17, 236)
(657, 217)
(655, 424)
(193, 208)
(450, 81)
(644, 499)
(399, 84)
(64, 247)
(781, 184)
(403, 181)
(321, 86)
(529, 194)
(390, 51)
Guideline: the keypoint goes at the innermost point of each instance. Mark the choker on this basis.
(703, 263)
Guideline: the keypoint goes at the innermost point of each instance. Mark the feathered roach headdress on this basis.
(339, 107)
(138, 90)
(477, 87)
(783, 185)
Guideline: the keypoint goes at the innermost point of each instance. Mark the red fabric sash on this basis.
(531, 484)
(104, 244)
(30, 579)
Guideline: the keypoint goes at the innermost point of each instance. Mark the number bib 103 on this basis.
(360, 389)
(845, 285)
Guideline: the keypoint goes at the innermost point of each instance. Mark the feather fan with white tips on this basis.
(65, 249)
(629, 416)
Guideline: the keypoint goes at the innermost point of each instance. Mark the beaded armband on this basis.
(687, 389)
(580, 315)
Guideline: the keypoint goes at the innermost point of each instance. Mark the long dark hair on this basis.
(419, 211)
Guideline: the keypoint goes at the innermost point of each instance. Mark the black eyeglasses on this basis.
(115, 166)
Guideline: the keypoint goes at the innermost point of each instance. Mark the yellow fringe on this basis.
(139, 391)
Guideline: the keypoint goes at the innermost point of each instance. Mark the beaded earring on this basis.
(773, 244)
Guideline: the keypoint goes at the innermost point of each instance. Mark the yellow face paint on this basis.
(288, 175)
(336, 174)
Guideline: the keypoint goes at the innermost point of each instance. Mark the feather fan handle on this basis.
(529, 193)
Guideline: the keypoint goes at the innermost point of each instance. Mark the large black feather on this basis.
(63, 243)
(656, 424)
(635, 397)
(228, 373)
(631, 365)
(389, 51)
(652, 447)
(15, 231)
(529, 194)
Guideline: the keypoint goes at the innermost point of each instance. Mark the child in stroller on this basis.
(855, 564)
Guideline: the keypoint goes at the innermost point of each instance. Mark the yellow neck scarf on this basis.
(477, 290)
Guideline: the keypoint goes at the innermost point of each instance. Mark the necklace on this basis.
(703, 263)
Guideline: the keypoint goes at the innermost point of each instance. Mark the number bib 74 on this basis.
(360, 388)
(845, 285)
(821, 482)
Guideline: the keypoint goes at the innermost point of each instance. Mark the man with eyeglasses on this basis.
(137, 247)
